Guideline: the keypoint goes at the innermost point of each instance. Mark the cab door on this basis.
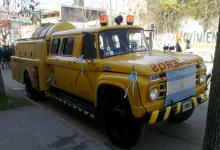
(88, 68)
(61, 63)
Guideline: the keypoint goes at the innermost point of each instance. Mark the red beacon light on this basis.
(103, 20)
(130, 20)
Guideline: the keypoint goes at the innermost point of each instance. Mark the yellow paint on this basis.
(203, 96)
(167, 113)
(65, 70)
(195, 102)
(179, 107)
(153, 117)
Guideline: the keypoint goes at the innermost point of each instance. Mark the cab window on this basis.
(55, 46)
(89, 46)
(67, 46)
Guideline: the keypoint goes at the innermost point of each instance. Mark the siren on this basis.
(130, 20)
(103, 20)
(118, 19)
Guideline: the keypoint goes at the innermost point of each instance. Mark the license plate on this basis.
(186, 105)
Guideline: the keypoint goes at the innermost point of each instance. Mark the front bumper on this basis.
(165, 113)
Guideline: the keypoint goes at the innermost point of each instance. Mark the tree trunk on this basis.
(212, 133)
(2, 90)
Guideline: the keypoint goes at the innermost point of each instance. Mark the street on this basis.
(171, 136)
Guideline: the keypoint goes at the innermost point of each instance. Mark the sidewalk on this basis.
(32, 128)
(36, 128)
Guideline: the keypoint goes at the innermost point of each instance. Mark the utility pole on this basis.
(111, 12)
(116, 7)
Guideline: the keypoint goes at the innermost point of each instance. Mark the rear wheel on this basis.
(183, 116)
(30, 91)
(122, 128)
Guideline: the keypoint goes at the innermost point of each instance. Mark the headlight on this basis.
(202, 78)
(153, 94)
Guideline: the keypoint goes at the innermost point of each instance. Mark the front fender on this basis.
(121, 81)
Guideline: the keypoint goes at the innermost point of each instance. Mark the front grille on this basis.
(162, 90)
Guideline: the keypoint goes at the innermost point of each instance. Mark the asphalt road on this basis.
(167, 136)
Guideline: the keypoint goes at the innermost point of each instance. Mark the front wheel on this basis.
(122, 128)
(183, 116)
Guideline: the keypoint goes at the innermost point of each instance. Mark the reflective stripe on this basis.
(179, 107)
(153, 117)
(86, 113)
(91, 115)
(66, 101)
(167, 113)
(195, 102)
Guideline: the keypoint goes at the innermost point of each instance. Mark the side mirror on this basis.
(89, 50)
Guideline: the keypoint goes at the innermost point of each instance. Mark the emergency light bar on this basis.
(118, 20)
(103, 20)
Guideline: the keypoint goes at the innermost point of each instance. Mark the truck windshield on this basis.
(121, 41)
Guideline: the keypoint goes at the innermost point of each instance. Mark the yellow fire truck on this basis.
(110, 72)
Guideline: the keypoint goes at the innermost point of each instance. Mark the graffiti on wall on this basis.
(200, 39)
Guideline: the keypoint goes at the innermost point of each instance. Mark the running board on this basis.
(77, 104)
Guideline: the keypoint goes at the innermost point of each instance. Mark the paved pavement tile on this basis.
(34, 128)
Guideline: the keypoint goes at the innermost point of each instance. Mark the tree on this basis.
(4, 33)
(212, 132)
(2, 90)
(167, 14)
(79, 3)
(29, 7)
(206, 12)
(5, 30)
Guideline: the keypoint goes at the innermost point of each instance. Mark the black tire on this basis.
(122, 128)
(30, 91)
(183, 116)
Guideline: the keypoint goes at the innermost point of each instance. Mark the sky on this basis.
(117, 5)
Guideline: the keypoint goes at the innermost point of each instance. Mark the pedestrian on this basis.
(4, 57)
(1, 57)
(13, 49)
(178, 47)
(10, 53)
(8, 57)
(188, 45)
